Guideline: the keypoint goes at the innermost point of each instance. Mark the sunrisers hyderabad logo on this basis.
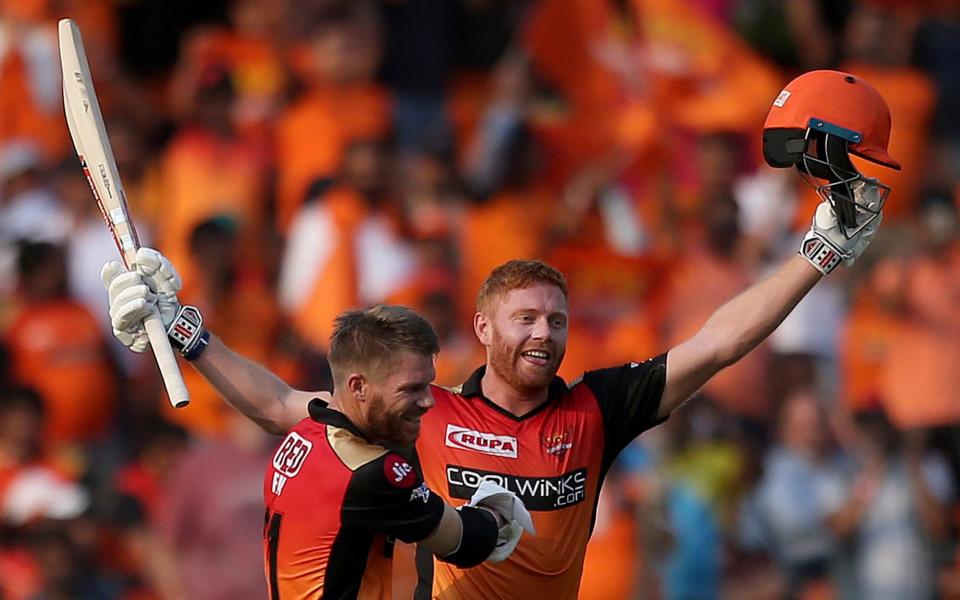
(557, 443)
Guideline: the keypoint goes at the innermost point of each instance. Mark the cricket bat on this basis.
(96, 157)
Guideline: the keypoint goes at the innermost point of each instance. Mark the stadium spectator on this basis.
(346, 247)
(892, 515)
(341, 103)
(612, 99)
(57, 347)
(788, 513)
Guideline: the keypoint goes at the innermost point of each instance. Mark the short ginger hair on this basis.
(517, 275)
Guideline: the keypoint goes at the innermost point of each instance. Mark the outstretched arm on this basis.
(741, 324)
(247, 386)
(735, 329)
(252, 389)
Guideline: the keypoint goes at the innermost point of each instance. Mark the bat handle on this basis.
(167, 361)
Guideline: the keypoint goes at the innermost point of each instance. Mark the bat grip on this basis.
(166, 360)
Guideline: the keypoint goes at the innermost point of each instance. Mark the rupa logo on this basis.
(478, 441)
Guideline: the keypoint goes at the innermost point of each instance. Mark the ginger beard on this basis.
(525, 374)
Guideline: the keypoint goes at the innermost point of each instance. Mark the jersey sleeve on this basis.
(388, 495)
(629, 398)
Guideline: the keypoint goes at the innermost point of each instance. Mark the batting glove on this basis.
(153, 286)
(131, 301)
(825, 245)
(511, 514)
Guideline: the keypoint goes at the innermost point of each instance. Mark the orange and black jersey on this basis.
(555, 458)
(335, 502)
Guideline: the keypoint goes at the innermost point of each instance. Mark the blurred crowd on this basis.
(294, 159)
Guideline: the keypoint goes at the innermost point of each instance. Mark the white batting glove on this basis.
(153, 286)
(158, 273)
(511, 514)
(131, 300)
(825, 245)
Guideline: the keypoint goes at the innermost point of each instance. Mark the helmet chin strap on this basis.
(856, 200)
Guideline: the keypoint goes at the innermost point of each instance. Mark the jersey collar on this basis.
(471, 388)
(321, 412)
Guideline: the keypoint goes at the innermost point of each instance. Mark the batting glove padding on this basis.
(153, 286)
(131, 301)
(825, 245)
(510, 511)
(163, 279)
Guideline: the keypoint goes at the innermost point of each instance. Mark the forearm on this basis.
(741, 324)
(250, 388)
(464, 537)
(735, 329)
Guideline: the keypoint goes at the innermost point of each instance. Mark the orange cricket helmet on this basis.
(836, 103)
(815, 123)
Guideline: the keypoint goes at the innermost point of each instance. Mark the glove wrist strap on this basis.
(187, 334)
(823, 255)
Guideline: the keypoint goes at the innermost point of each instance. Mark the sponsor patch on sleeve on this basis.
(421, 492)
(398, 471)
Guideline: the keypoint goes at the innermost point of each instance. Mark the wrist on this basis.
(187, 333)
(821, 253)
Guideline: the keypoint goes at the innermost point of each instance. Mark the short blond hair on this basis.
(369, 339)
(517, 275)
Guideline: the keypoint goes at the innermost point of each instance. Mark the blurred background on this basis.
(294, 159)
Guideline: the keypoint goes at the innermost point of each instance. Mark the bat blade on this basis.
(90, 140)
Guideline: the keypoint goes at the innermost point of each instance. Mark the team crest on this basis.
(558, 443)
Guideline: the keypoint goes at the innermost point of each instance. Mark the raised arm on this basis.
(252, 389)
(735, 329)
(816, 122)
(741, 324)
(247, 386)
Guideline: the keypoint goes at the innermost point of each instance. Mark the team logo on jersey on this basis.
(293, 451)
(288, 460)
(399, 472)
(537, 493)
(479, 441)
(422, 492)
(558, 443)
